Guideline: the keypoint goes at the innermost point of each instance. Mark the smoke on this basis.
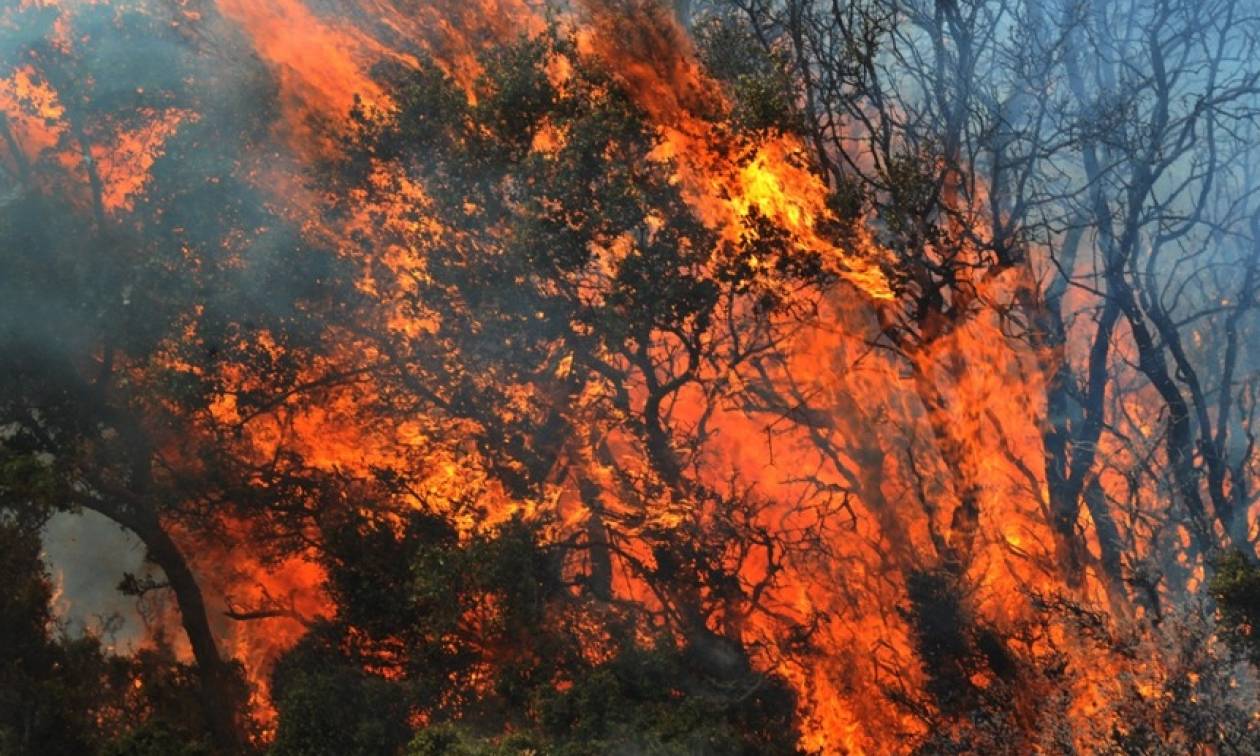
(1001, 190)
(88, 556)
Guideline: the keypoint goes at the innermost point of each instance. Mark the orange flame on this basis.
(869, 469)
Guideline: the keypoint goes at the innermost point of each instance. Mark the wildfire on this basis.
(968, 406)
(727, 185)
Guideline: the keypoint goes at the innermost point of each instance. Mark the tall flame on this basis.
(890, 494)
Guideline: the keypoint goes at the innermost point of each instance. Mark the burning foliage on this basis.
(614, 376)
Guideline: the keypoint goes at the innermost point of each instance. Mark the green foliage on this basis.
(1201, 703)
(328, 707)
(152, 689)
(156, 739)
(481, 638)
(758, 82)
(659, 701)
(582, 253)
(116, 318)
(490, 636)
(47, 694)
(1235, 587)
(452, 740)
(436, 612)
(66, 695)
(563, 266)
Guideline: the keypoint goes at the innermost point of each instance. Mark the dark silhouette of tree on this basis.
(574, 306)
(103, 301)
(507, 283)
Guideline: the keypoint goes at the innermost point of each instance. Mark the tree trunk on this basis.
(1109, 543)
(220, 692)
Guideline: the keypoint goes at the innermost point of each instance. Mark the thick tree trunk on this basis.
(218, 684)
(1180, 439)
(220, 695)
(1109, 544)
(601, 575)
(964, 524)
(1072, 445)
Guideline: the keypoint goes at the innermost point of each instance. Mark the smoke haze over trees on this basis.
(621, 376)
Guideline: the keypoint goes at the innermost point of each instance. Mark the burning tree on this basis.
(725, 377)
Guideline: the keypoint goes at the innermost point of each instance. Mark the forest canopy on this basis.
(622, 376)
